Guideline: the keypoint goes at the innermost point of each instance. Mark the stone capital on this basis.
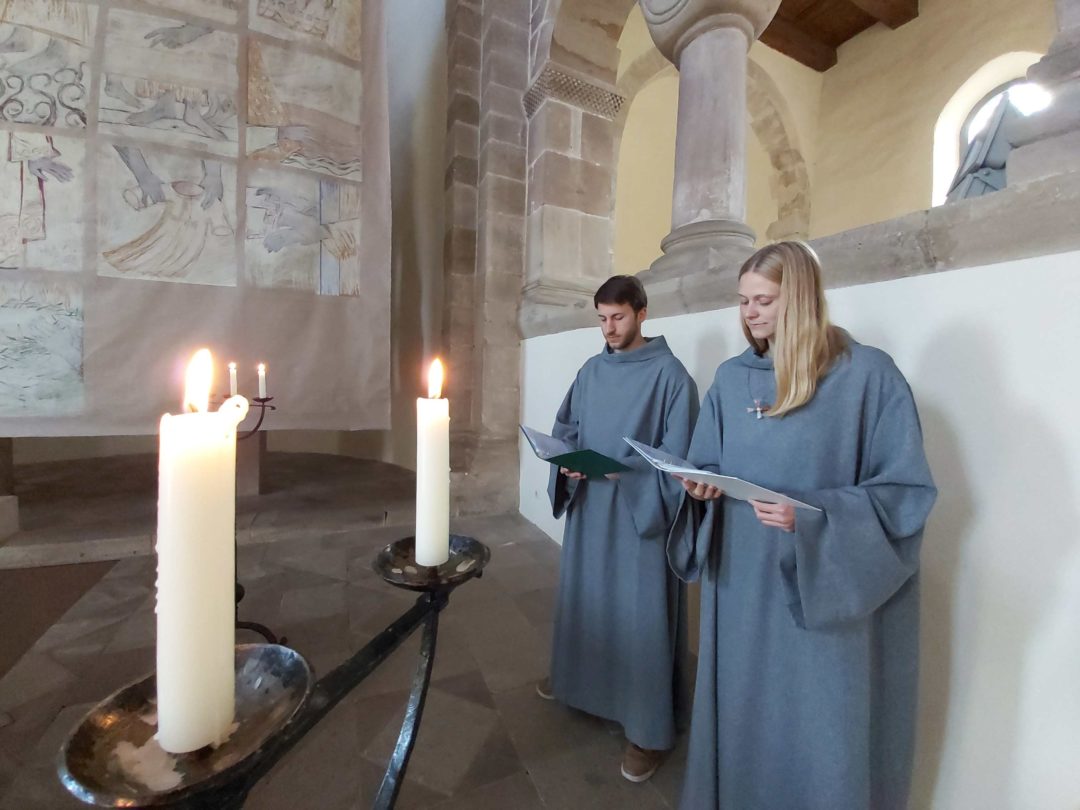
(676, 23)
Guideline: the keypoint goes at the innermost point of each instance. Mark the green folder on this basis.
(587, 462)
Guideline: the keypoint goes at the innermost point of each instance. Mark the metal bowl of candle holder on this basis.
(397, 564)
(113, 759)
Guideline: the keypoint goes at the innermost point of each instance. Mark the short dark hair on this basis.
(622, 290)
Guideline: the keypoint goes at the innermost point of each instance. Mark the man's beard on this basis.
(624, 342)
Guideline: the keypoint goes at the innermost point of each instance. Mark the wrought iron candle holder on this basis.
(263, 404)
(112, 759)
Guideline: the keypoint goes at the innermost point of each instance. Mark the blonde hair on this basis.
(805, 344)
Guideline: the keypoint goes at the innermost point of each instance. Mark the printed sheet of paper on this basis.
(733, 487)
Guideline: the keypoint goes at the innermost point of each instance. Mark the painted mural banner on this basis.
(178, 173)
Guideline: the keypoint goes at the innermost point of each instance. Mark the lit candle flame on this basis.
(197, 381)
(435, 379)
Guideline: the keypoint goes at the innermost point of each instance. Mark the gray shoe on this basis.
(544, 690)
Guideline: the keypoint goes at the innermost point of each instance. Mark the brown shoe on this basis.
(638, 764)
(544, 690)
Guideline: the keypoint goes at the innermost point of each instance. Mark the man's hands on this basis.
(576, 476)
(776, 515)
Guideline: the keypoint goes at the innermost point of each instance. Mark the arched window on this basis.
(950, 144)
(984, 141)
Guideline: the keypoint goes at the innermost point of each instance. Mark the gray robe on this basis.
(620, 619)
(808, 661)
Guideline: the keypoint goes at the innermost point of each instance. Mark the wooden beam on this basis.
(893, 13)
(785, 36)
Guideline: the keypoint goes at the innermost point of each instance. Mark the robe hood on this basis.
(654, 347)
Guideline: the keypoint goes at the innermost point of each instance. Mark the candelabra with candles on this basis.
(197, 733)
(113, 759)
(262, 402)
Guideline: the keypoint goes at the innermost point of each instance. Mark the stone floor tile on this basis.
(32, 677)
(497, 760)
(452, 734)
(516, 579)
(515, 792)
(486, 741)
(317, 772)
(468, 686)
(668, 780)
(318, 602)
(543, 728)
(136, 632)
(66, 634)
(538, 606)
(590, 777)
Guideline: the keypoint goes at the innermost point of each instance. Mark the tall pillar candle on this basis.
(433, 472)
(196, 566)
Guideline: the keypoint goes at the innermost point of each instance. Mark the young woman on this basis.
(808, 655)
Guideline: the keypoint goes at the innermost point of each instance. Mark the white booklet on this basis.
(733, 487)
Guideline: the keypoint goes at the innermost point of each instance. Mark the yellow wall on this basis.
(880, 102)
(864, 127)
(644, 176)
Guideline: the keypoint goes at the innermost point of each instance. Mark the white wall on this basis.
(990, 354)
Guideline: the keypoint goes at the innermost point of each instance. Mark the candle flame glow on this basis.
(197, 381)
(232, 366)
(435, 379)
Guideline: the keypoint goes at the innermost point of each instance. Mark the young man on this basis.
(620, 621)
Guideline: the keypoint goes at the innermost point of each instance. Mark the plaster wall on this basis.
(880, 103)
(999, 711)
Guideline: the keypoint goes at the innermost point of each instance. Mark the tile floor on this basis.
(486, 741)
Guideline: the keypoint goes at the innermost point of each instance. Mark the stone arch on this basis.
(771, 122)
(580, 36)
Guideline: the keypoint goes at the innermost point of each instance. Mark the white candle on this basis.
(232, 379)
(262, 381)
(433, 473)
(196, 564)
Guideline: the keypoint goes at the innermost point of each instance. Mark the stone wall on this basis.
(484, 246)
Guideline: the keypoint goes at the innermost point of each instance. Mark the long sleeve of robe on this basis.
(619, 644)
(808, 660)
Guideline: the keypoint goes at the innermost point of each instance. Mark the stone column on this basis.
(484, 247)
(1048, 143)
(708, 41)
(459, 243)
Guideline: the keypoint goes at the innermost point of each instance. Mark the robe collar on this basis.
(748, 358)
(654, 347)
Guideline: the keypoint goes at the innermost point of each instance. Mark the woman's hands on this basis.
(778, 515)
(701, 492)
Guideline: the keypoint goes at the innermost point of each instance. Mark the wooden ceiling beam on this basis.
(893, 13)
(785, 36)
